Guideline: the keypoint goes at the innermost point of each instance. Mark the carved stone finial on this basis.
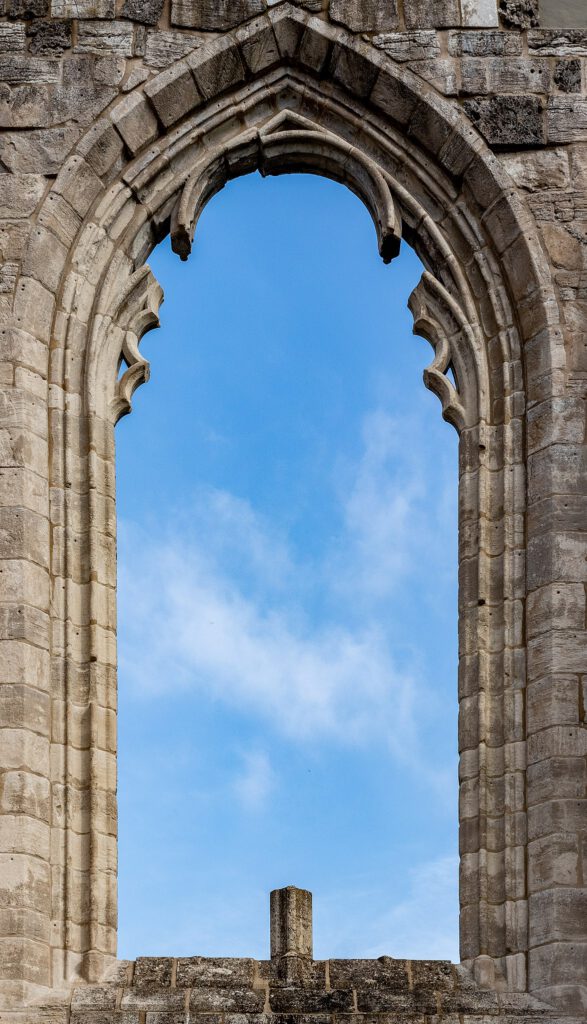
(291, 922)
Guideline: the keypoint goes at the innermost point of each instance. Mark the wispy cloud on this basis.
(381, 506)
(215, 603)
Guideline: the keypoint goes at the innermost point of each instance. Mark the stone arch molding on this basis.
(288, 92)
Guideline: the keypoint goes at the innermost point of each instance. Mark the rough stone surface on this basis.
(293, 983)
(146, 12)
(463, 126)
(27, 8)
(520, 13)
(511, 121)
(213, 15)
(49, 38)
(365, 15)
(567, 75)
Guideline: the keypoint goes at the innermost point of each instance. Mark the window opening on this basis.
(287, 593)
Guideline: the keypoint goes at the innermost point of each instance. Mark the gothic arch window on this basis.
(291, 92)
(282, 630)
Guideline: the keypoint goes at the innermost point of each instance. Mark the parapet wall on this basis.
(291, 988)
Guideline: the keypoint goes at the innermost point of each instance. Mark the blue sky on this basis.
(287, 594)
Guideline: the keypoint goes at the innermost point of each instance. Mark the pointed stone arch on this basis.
(289, 92)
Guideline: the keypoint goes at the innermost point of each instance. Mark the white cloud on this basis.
(307, 679)
(391, 524)
(380, 508)
(216, 605)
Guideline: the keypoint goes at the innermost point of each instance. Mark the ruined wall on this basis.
(463, 126)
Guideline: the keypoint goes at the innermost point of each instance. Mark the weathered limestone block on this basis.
(548, 169)
(83, 8)
(419, 14)
(173, 93)
(509, 120)
(103, 149)
(163, 48)
(484, 44)
(441, 73)
(213, 15)
(567, 962)
(567, 75)
(520, 13)
(81, 97)
(409, 46)
(27, 8)
(25, 106)
(556, 776)
(366, 15)
(147, 12)
(258, 45)
(216, 67)
(105, 37)
(565, 250)
(553, 701)
(559, 913)
(49, 38)
(136, 77)
(553, 420)
(12, 37)
(558, 42)
(211, 972)
(18, 70)
(25, 793)
(566, 119)
(509, 75)
(477, 13)
(20, 193)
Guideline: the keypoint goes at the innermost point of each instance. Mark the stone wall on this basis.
(290, 988)
(463, 126)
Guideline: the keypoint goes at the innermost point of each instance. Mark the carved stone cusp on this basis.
(291, 923)
(140, 314)
(439, 319)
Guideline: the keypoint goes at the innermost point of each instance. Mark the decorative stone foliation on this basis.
(439, 319)
(295, 143)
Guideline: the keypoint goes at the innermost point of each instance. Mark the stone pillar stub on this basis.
(291, 923)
